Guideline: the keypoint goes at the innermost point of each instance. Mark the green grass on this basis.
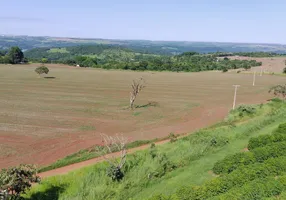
(187, 161)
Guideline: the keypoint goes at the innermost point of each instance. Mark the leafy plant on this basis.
(278, 91)
(172, 137)
(17, 180)
(42, 70)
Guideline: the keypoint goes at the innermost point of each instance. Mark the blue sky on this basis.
(183, 20)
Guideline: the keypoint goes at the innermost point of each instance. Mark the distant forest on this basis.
(114, 57)
(141, 46)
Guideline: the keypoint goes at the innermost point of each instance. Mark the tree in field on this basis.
(137, 86)
(15, 181)
(44, 60)
(15, 55)
(114, 144)
(279, 91)
(42, 70)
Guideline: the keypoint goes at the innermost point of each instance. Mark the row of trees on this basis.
(119, 58)
(13, 56)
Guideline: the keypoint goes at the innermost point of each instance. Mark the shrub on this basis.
(246, 110)
(153, 150)
(263, 140)
(115, 173)
(172, 137)
(231, 162)
(272, 150)
(42, 70)
(18, 180)
(284, 70)
(281, 128)
(238, 178)
(257, 189)
(165, 165)
(260, 154)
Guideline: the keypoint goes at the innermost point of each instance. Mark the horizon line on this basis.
(90, 38)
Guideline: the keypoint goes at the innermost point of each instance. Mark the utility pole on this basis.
(234, 99)
(254, 75)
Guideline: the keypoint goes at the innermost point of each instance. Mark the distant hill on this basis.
(143, 46)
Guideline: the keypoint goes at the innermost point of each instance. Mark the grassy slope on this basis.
(194, 157)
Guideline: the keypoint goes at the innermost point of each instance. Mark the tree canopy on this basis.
(13, 56)
(42, 70)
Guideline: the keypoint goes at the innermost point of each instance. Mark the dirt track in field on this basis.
(43, 120)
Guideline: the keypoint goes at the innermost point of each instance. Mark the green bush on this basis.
(42, 70)
(232, 162)
(238, 178)
(257, 189)
(263, 140)
(246, 110)
(165, 165)
(281, 128)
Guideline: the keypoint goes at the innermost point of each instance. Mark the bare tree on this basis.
(137, 86)
(114, 144)
(279, 91)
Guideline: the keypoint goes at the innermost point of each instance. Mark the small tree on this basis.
(137, 86)
(114, 144)
(15, 181)
(284, 70)
(279, 91)
(42, 70)
(44, 60)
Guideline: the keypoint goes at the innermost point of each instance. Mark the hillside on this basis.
(213, 163)
(143, 46)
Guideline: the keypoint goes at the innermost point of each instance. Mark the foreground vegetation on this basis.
(184, 162)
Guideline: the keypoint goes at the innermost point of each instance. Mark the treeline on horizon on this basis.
(115, 57)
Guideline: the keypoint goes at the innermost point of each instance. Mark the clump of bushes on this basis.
(173, 137)
(257, 189)
(232, 162)
(164, 166)
(226, 184)
(246, 110)
(281, 128)
(265, 140)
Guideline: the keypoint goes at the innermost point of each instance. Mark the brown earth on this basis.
(269, 65)
(43, 120)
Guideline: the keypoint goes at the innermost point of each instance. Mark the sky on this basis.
(261, 21)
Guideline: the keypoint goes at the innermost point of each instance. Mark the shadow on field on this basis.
(149, 104)
(49, 77)
(51, 193)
